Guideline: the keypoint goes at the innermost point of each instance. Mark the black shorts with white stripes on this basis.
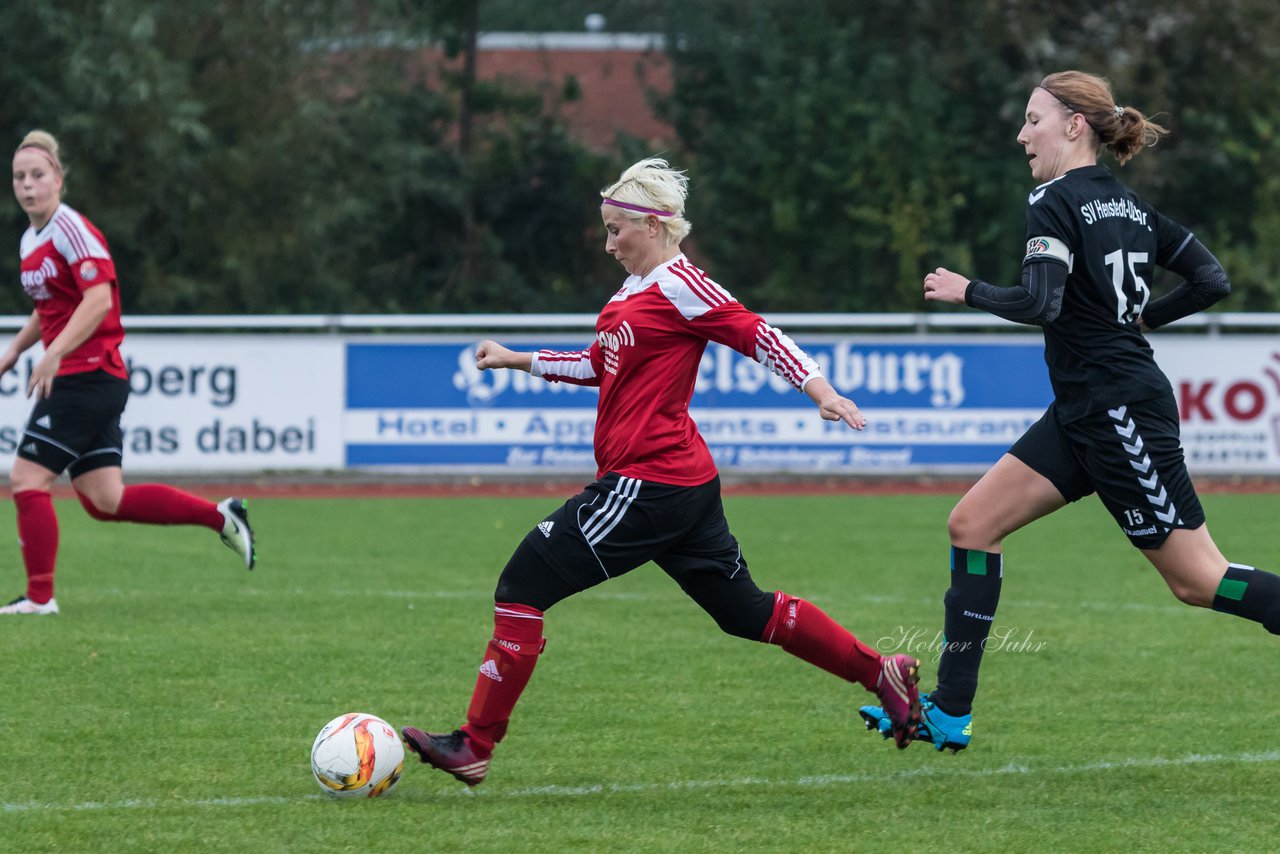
(619, 523)
(1131, 456)
(78, 425)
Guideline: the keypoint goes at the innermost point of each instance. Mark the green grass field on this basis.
(172, 704)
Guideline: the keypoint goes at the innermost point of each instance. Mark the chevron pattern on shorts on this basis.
(1147, 476)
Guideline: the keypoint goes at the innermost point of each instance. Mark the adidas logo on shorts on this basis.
(545, 528)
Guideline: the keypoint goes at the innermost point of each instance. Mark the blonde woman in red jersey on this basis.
(657, 497)
(80, 386)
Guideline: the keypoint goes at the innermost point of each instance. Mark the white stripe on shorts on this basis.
(615, 507)
(50, 441)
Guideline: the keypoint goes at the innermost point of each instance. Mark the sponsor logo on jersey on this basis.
(616, 340)
(613, 342)
(88, 271)
(43, 421)
(545, 528)
(33, 281)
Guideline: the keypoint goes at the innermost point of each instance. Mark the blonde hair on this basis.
(46, 144)
(1124, 131)
(653, 184)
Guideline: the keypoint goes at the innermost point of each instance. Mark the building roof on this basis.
(615, 75)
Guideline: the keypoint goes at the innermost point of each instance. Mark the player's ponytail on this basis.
(1122, 130)
(1133, 132)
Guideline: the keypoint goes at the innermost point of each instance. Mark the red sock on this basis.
(804, 630)
(38, 537)
(157, 504)
(508, 664)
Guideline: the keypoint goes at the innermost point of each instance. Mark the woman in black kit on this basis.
(1092, 246)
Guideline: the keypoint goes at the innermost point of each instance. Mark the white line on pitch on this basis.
(816, 781)
(1013, 768)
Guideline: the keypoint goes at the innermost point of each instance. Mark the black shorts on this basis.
(1131, 456)
(78, 425)
(619, 523)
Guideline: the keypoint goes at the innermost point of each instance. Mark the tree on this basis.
(841, 152)
(337, 156)
(834, 150)
(295, 156)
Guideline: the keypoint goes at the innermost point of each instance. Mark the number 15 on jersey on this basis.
(1132, 292)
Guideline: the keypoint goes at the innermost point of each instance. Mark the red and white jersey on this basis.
(649, 341)
(59, 262)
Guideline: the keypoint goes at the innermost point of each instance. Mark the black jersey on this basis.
(1111, 242)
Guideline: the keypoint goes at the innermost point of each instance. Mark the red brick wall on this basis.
(615, 75)
(614, 88)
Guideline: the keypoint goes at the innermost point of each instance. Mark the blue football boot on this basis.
(936, 726)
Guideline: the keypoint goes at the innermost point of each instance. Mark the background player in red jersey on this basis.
(1091, 247)
(658, 493)
(81, 386)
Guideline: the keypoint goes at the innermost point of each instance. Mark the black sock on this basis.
(970, 609)
(1252, 594)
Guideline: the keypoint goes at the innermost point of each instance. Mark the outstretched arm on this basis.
(491, 354)
(1036, 300)
(577, 367)
(833, 407)
(747, 332)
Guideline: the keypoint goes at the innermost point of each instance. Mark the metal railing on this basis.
(918, 323)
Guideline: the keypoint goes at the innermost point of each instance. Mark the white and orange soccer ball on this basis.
(357, 755)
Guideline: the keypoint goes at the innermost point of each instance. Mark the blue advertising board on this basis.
(931, 404)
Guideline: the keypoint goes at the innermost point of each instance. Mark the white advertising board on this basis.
(216, 403)
(1228, 393)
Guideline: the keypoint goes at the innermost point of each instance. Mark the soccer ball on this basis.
(357, 755)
